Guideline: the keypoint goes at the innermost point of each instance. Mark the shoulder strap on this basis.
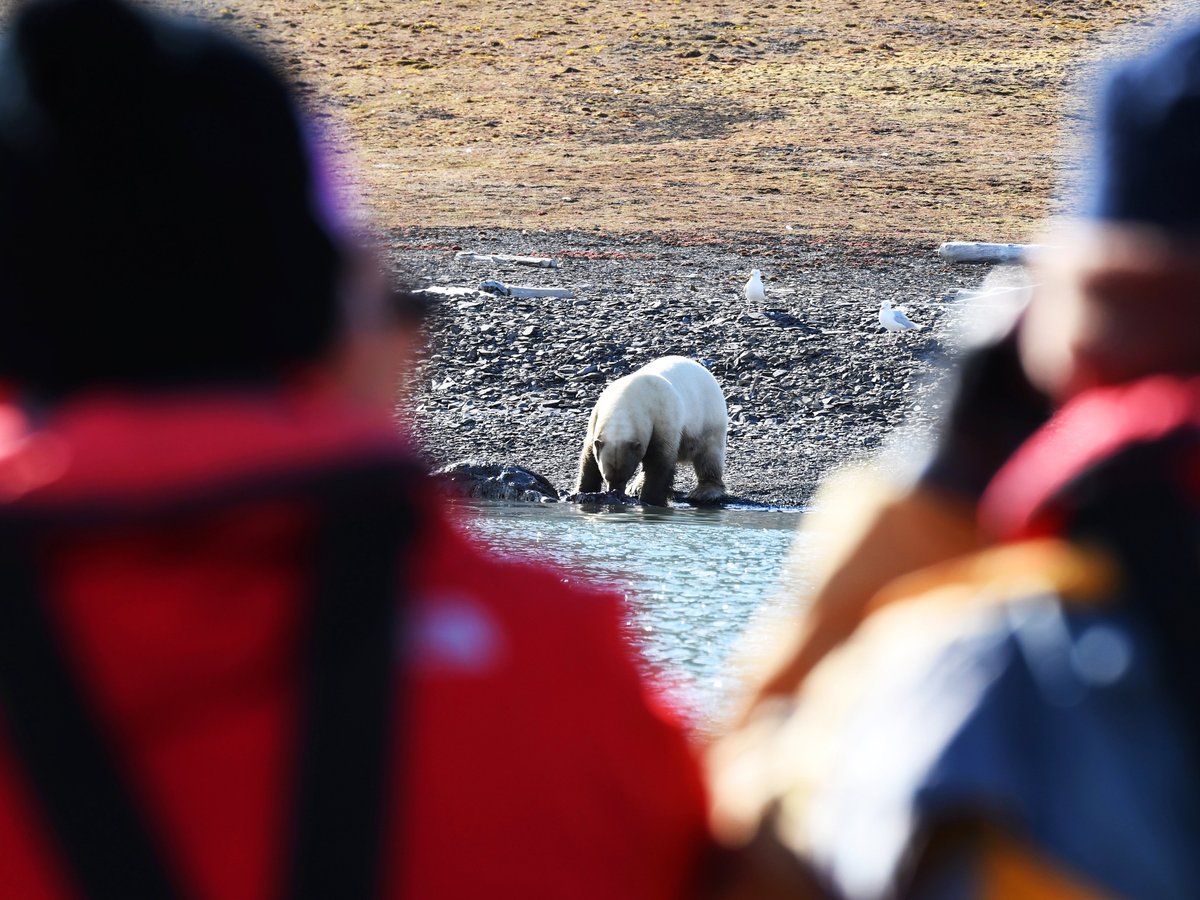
(349, 699)
(363, 526)
(62, 749)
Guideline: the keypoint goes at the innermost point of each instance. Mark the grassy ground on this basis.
(899, 117)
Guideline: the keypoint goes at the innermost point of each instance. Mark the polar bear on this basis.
(669, 411)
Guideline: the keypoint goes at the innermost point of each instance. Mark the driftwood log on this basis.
(982, 252)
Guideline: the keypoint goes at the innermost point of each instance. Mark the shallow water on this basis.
(693, 578)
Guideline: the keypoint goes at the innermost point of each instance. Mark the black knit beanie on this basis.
(1147, 169)
(160, 223)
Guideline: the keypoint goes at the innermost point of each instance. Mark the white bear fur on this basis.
(669, 411)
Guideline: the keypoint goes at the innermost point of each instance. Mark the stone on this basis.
(497, 481)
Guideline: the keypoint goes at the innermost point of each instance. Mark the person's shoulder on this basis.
(982, 665)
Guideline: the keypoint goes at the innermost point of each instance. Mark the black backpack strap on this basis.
(364, 522)
(61, 748)
(349, 697)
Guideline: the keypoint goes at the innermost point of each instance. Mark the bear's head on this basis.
(619, 445)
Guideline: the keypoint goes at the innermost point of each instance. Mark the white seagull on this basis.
(755, 294)
(894, 319)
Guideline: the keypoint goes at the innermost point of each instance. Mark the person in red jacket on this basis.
(245, 653)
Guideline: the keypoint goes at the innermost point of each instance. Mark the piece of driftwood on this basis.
(980, 251)
(501, 289)
(978, 293)
(541, 262)
(449, 291)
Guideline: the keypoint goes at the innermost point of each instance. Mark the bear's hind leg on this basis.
(709, 464)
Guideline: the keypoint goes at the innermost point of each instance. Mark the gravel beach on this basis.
(811, 378)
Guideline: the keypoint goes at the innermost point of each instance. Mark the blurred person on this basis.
(996, 691)
(244, 650)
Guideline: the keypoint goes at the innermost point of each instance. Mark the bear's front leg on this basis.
(658, 475)
(590, 480)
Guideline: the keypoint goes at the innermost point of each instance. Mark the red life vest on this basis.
(528, 758)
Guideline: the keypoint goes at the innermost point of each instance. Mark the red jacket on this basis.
(535, 764)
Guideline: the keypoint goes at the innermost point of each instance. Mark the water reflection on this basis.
(693, 578)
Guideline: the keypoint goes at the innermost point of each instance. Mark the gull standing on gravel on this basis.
(755, 295)
(894, 319)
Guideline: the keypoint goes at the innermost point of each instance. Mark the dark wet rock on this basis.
(489, 481)
(608, 499)
(730, 502)
(718, 503)
(601, 498)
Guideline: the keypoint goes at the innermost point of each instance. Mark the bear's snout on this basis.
(618, 463)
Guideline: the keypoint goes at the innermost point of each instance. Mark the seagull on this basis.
(755, 294)
(894, 319)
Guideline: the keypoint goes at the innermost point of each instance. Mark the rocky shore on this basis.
(811, 378)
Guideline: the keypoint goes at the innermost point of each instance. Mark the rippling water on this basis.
(693, 578)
